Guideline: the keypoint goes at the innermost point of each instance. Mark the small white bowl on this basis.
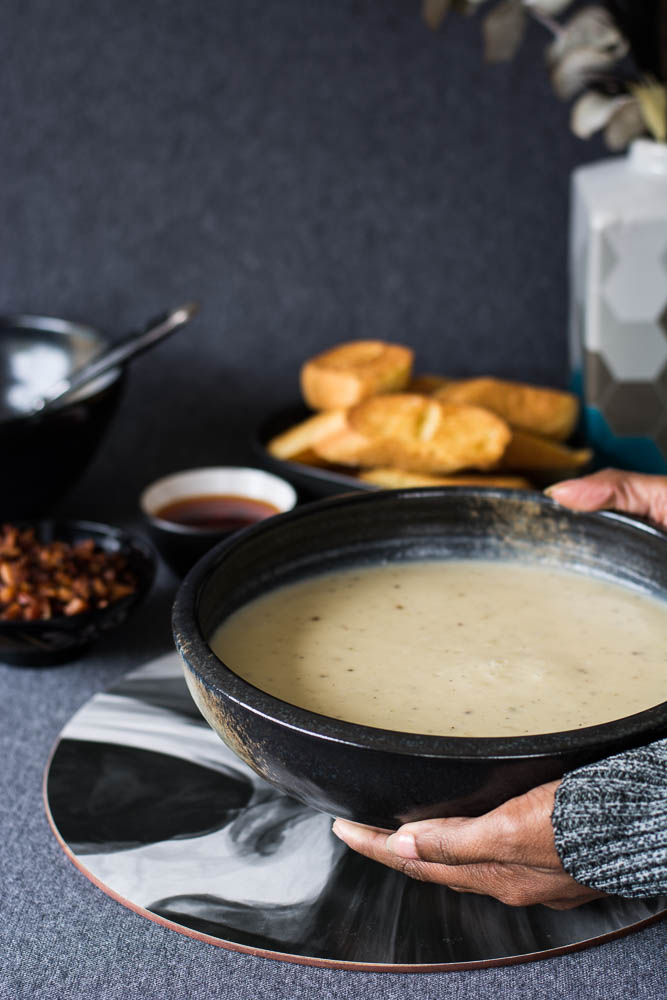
(218, 480)
(182, 545)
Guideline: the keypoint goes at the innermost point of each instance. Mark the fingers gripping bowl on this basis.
(381, 776)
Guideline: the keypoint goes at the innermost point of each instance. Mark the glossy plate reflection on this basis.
(153, 807)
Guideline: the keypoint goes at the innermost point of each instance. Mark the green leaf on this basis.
(593, 111)
(576, 68)
(652, 97)
(547, 7)
(625, 125)
(590, 28)
(503, 30)
(434, 12)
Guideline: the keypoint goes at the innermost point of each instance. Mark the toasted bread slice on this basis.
(310, 457)
(302, 437)
(398, 478)
(421, 434)
(348, 447)
(529, 452)
(549, 412)
(350, 372)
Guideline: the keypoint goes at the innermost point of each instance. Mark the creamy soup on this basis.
(454, 648)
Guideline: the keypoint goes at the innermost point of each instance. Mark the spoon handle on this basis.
(124, 349)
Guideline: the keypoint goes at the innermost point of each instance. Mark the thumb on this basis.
(631, 492)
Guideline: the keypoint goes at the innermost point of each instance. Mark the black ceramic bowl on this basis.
(53, 641)
(373, 775)
(181, 545)
(44, 455)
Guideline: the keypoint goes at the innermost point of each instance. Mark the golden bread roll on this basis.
(398, 478)
(301, 438)
(530, 451)
(350, 372)
(549, 412)
(421, 434)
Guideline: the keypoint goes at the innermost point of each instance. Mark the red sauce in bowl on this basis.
(216, 512)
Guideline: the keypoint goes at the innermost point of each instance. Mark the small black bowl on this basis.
(181, 545)
(378, 776)
(44, 454)
(53, 641)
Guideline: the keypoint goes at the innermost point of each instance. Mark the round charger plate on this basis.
(151, 806)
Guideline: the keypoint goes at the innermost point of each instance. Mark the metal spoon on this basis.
(124, 349)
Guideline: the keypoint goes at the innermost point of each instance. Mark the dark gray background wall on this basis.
(311, 171)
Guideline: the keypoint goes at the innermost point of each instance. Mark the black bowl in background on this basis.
(54, 641)
(44, 454)
(181, 545)
(378, 776)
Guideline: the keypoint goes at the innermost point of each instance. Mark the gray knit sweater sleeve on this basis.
(610, 822)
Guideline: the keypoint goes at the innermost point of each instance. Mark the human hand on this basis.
(631, 492)
(508, 853)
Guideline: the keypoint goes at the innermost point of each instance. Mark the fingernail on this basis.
(403, 844)
(558, 490)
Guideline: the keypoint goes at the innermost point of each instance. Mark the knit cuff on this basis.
(610, 823)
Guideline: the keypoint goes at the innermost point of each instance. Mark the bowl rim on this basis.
(194, 647)
(97, 529)
(192, 531)
(65, 327)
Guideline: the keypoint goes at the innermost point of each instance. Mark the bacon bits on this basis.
(48, 580)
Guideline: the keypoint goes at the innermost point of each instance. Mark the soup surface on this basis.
(460, 648)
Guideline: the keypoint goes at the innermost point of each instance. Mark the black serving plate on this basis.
(53, 641)
(308, 479)
(378, 776)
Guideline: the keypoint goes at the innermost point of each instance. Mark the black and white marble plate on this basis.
(150, 805)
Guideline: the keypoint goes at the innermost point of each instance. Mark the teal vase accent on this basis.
(637, 453)
(618, 305)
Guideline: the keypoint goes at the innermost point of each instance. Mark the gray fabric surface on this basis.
(310, 171)
(610, 822)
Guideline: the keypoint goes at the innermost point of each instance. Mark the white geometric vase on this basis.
(618, 305)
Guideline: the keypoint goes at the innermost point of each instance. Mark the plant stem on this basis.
(550, 23)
